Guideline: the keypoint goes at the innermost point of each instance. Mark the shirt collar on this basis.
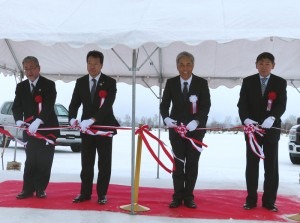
(188, 80)
(97, 78)
(261, 77)
(35, 81)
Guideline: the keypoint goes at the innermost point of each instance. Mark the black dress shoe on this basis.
(190, 203)
(81, 198)
(102, 200)
(24, 195)
(175, 204)
(249, 206)
(41, 194)
(270, 207)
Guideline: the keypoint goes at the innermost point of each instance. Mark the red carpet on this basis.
(212, 204)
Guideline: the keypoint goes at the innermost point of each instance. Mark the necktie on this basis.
(185, 90)
(93, 89)
(32, 88)
(263, 85)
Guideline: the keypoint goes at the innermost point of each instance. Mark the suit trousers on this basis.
(38, 164)
(271, 175)
(103, 146)
(184, 175)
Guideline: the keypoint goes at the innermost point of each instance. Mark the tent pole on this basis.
(160, 80)
(15, 58)
(133, 128)
(292, 82)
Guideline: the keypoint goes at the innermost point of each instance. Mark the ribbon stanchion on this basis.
(136, 207)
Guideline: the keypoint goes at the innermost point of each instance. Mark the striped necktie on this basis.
(32, 88)
(263, 85)
(93, 89)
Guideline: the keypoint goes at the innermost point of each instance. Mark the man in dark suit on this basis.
(96, 92)
(34, 103)
(263, 101)
(190, 98)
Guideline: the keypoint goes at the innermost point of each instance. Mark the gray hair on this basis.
(185, 54)
(31, 58)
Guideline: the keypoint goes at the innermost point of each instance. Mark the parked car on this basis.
(67, 137)
(294, 143)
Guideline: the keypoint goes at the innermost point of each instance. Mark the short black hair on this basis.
(96, 54)
(265, 55)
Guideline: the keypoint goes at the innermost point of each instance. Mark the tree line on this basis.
(227, 124)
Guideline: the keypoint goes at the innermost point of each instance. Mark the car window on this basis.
(60, 110)
(6, 109)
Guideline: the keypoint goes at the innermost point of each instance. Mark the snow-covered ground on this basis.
(221, 166)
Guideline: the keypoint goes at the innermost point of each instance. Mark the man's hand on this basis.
(192, 125)
(85, 124)
(73, 122)
(34, 125)
(170, 123)
(19, 123)
(249, 121)
(268, 123)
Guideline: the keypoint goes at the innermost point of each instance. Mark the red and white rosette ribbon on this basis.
(255, 147)
(39, 100)
(182, 130)
(102, 96)
(271, 97)
(193, 99)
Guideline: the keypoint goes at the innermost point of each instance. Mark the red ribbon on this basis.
(102, 95)
(40, 136)
(92, 131)
(271, 97)
(182, 130)
(144, 129)
(255, 147)
(7, 133)
(39, 100)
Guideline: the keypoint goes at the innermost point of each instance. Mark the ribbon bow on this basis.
(182, 130)
(255, 147)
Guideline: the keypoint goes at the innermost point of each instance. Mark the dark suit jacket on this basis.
(25, 106)
(82, 95)
(181, 111)
(254, 106)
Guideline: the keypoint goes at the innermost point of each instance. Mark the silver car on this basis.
(67, 137)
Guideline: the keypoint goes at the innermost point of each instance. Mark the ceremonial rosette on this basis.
(271, 98)
(38, 99)
(193, 99)
(102, 95)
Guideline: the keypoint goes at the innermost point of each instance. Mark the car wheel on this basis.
(76, 148)
(295, 160)
(2, 140)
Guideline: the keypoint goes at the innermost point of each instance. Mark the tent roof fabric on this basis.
(224, 36)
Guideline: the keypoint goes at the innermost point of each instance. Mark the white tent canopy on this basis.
(224, 36)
